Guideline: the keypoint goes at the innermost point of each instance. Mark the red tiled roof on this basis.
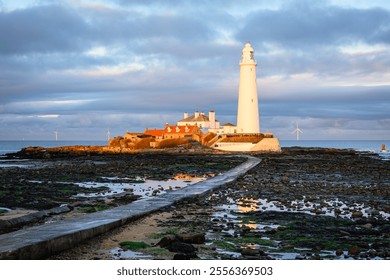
(154, 132)
(182, 129)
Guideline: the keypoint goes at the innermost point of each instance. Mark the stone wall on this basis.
(267, 145)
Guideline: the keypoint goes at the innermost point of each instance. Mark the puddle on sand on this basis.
(119, 253)
(144, 188)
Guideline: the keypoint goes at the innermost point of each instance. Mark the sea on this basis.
(15, 146)
(374, 146)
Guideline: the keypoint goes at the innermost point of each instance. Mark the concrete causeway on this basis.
(42, 241)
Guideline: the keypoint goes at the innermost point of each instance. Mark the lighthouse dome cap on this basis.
(248, 47)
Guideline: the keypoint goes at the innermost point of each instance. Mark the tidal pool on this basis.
(119, 253)
(331, 207)
(139, 186)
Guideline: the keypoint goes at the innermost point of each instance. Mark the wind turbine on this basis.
(297, 131)
(56, 134)
(108, 135)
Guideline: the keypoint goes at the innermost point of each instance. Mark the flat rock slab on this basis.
(42, 241)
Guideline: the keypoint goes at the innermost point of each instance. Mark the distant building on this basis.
(200, 120)
(132, 135)
(226, 128)
(158, 134)
(174, 132)
(182, 131)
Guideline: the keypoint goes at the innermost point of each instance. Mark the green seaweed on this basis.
(156, 251)
(225, 245)
(94, 208)
(69, 192)
(169, 231)
(253, 240)
(133, 245)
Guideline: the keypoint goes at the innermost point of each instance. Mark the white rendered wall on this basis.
(234, 147)
(248, 110)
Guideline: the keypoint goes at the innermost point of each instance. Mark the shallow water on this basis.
(21, 163)
(119, 253)
(232, 219)
(146, 188)
(325, 207)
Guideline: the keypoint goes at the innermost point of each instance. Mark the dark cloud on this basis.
(42, 29)
(304, 25)
(47, 29)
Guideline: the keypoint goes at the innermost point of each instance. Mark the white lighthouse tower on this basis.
(248, 109)
(246, 135)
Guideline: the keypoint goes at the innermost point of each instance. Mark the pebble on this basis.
(354, 250)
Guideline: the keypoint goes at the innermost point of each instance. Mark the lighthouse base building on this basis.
(246, 136)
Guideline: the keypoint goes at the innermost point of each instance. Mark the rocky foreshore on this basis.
(300, 204)
(44, 179)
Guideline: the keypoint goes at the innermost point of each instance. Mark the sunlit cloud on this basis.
(52, 116)
(48, 103)
(360, 49)
(97, 52)
(103, 71)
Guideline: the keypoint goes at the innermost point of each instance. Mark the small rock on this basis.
(367, 226)
(344, 232)
(319, 212)
(182, 256)
(249, 252)
(354, 250)
(339, 252)
(198, 238)
(357, 214)
(372, 253)
(285, 179)
(181, 247)
(315, 257)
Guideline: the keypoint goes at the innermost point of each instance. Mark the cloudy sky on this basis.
(82, 66)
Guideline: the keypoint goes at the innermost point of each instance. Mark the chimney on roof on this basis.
(202, 113)
(196, 114)
(212, 119)
(185, 115)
